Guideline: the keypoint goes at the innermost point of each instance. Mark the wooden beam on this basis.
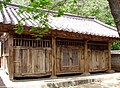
(10, 58)
(53, 75)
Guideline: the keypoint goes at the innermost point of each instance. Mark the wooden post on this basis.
(10, 57)
(53, 57)
(1, 53)
(86, 59)
(86, 56)
(109, 59)
(109, 56)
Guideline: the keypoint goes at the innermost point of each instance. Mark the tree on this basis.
(115, 10)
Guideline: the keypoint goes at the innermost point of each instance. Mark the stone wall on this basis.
(115, 60)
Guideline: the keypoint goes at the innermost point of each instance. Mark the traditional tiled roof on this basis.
(67, 22)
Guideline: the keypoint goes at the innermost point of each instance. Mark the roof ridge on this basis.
(10, 4)
(52, 11)
(106, 25)
(74, 15)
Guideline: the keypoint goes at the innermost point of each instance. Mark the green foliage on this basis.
(38, 10)
(116, 45)
(98, 8)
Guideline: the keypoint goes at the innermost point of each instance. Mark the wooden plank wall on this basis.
(32, 61)
(67, 65)
(115, 61)
(33, 57)
(98, 61)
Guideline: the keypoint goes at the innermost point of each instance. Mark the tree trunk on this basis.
(115, 10)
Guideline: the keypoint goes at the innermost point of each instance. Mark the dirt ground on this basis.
(100, 81)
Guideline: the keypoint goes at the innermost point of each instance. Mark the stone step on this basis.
(78, 80)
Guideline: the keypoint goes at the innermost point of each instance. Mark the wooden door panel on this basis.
(98, 60)
(32, 60)
(66, 57)
(74, 56)
(95, 60)
(70, 62)
(102, 60)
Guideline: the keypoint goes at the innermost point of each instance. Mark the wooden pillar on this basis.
(109, 56)
(86, 59)
(53, 57)
(86, 56)
(1, 53)
(10, 57)
(109, 59)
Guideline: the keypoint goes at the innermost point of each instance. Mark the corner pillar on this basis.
(10, 57)
(109, 59)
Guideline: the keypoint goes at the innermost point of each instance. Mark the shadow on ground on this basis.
(2, 85)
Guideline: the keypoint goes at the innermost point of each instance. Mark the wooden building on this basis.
(74, 45)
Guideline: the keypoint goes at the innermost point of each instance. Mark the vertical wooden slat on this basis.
(24, 61)
(90, 61)
(28, 61)
(66, 56)
(75, 57)
(106, 58)
(102, 61)
(16, 61)
(33, 61)
(47, 61)
(53, 56)
(69, 56)
(99, 59)
(10, 58)
(41, 60)
(95, 61)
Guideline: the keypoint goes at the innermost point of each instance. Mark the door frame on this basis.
(70, 68)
